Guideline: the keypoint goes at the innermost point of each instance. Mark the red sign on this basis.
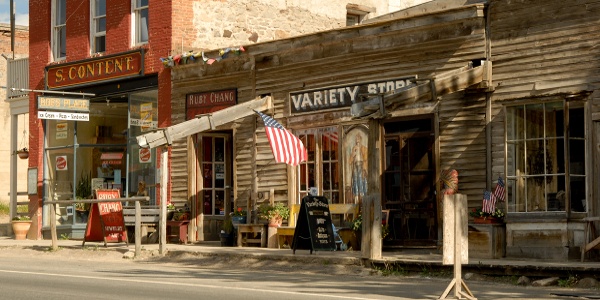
(145, 155)
(106, 222)
(95, 70)
(204, 103)
(61, 163)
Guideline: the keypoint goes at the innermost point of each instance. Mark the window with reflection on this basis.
(322, 169)
(546, 160)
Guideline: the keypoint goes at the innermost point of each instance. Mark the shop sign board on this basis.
(314, 230)
(208, 102)
(65, 116)
(105, 222)
(95, 70)
(335, 97)
(63, 103)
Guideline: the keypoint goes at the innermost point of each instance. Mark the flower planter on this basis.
(20, 228)
(487, 220)
(23, 154)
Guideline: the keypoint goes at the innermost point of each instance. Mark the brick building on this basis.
(98, 65)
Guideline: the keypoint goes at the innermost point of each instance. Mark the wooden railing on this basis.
(138, 218)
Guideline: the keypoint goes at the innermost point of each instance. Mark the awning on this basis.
(429, 89)
(165, 136)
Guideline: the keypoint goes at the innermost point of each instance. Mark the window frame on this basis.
(59, 31)
(319, 162)
(94, 19)
(136, 11)
(568, 107)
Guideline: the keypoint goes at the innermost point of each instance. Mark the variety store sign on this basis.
(342, 96)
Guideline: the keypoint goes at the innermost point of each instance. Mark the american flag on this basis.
(286, 147)
(489, 202)
(499, 191)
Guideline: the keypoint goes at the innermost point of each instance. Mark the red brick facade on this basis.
(118, 40)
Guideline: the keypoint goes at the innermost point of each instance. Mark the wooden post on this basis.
(138, 229)
(456, 244)
(53, 227)
(164, 173)
(374, 175)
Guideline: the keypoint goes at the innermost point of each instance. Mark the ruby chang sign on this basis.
(342, 96)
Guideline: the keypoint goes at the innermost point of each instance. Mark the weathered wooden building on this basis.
(488, 88)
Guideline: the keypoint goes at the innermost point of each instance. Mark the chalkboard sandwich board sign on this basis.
(313, 229)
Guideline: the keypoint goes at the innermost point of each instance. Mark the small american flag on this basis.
(499, 191)
(286, 147)
(489, 202)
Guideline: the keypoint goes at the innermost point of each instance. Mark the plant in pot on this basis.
(274, 213)
(238, 216)
(170, 211)
(482, 217)
(23, 153)
(20, 226)
(227, 232)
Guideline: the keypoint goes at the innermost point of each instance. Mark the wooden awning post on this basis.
(164, 180)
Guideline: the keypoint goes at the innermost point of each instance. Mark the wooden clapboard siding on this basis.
(540, 48)
(462, 137)
(544, 47)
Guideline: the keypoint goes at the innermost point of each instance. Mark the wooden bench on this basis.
(252, 234)
(149, 220)
(285, 234)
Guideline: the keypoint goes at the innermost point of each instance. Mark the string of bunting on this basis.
(192, 57)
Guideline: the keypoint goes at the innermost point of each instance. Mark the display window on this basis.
(322, 168)
(100, 153)
(546, 157)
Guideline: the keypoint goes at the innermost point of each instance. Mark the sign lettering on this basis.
(95, 69)
(341, 96)
(207, 102)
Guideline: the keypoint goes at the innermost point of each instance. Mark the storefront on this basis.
(89, 140)
(313, 86)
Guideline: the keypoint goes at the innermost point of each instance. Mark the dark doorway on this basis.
(409, 183)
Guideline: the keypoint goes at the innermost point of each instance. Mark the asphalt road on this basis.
(82, 275)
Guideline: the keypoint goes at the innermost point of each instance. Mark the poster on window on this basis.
(146, 116)
(61, 163)
(62, 130)
(144, 155)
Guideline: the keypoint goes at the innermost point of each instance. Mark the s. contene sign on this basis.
(94, 70)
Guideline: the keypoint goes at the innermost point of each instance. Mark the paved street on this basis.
(96, 273)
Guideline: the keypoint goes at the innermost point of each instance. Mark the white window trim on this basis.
(93, 33)
(134, 25)
(54, 39)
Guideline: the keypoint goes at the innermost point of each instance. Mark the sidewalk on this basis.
(416, 260)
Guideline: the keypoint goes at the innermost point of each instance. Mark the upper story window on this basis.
(140, 21)
(59, 29)
(355, 14)
(98, 26)
(546, 157)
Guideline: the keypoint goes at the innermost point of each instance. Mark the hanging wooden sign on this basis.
(313, 228)
(105, 221)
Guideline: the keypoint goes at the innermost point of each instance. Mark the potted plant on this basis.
(274, 213)
(22, 153)
(170, 211)
(238, 216)
(481, 217)
(227, 232)
(20, 226)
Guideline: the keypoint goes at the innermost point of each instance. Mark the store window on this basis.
(546, 161)
(98, 26)
(322, 169)
(59, 29)
(83, 156)
(140, 21)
